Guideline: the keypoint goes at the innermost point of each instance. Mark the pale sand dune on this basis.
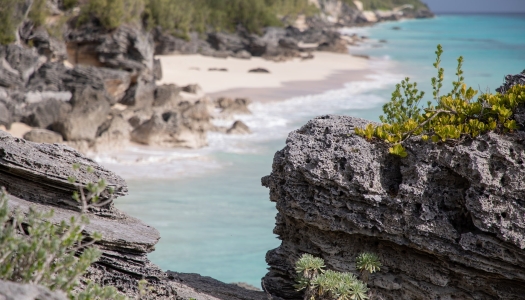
(190, 69)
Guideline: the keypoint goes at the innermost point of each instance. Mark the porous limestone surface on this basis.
(447, 221)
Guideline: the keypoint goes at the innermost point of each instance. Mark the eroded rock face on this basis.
(36, 175)
(447, 221)
(12, 290)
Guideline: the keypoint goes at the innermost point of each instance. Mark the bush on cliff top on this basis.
(182, 16)
(449, 117)
(8, 21)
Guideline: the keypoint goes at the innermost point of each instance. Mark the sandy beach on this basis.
(190, 69)
(296, 77)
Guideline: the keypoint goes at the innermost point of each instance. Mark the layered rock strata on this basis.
(36, 176)
(447, 221)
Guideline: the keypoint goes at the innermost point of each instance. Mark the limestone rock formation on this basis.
(36, 175)
(447, 221)
(12, 290)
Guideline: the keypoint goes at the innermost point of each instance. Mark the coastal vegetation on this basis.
(34, 250)
(448, 117)
(328, 284)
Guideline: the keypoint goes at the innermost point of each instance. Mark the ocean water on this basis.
(214, 217)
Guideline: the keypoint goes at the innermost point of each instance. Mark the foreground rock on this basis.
(446, 221)
(36, 175)
(12, 290)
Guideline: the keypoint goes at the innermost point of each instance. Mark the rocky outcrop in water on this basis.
(446, 221)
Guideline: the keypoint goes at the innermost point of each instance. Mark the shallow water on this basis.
(214, 217)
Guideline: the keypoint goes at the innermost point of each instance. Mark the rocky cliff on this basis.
(95, 89)
(447, 221)
(36, 175)
(304, 34)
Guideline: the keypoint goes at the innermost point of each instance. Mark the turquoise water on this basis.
(213, 215)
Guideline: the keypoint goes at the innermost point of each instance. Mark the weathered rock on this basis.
(258, 70)
(25, 60)
(43, 136)
(192, 89)
(50, 47)
(166, 93)
(243, 54)
(198, 287)
(36, 175)
(182, 124)
(230, 107)
(141, 94)
(9, 77)
(239, 128)
(168, 44)
(227, 41)
(90, 110)
(5, 116)
(45, 114)
(512, 80)
(17, 291)
(446, 221)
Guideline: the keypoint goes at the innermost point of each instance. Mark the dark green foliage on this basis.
(454, 115)
(112, 13)
(69, 4)
(182, 16)
(331, 285)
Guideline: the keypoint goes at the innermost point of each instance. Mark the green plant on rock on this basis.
(328, 284)
(112, 13)
(449, 117)
(38, 12)
(367, 263)
(35, 250)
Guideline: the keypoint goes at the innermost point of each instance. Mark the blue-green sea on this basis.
(214, 217)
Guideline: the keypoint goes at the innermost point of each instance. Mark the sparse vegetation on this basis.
(332, 285)
(448, 117)
(112, 13)
(8, 21)
(182, 16)
(38, 12)
(36, 251)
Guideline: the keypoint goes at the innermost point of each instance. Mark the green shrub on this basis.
(454, 115)
(38, 12)
(182, 16)
(332, 285)
(34, 250)
(112, 13)
(69, 4)
(8, 21)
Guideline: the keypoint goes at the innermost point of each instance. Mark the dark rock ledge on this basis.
(35, 175)
(448, 221)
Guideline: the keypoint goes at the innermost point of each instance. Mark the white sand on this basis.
(17, 129)
(190, 69)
